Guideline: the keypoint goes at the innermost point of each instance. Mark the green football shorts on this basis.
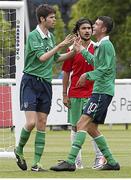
(75, 111)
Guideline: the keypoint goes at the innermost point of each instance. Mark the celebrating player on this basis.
(103, 75)
(36, 89)
(75, 98)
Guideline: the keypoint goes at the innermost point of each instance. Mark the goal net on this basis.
(11, 66)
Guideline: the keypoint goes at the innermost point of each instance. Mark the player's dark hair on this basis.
(80, 22)
(43, 11)
(108, 23)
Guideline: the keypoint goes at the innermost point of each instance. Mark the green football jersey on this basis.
(36, 46)
(104, 61)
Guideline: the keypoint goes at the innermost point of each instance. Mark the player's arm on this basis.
(77, 46)
(105, 62)
(87, 55)
(67, 68)
(66, 56)
(68, 40)
(105, 58)
(66, 76)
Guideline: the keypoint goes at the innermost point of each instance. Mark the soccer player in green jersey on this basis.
(36, 90)
(103, 75)
(75, 98)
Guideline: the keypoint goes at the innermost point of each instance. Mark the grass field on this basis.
(58, 146)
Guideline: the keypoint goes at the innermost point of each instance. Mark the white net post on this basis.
(18, 116)
(17, 7)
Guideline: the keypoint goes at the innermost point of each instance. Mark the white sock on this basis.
(78, 158)
(96, 149)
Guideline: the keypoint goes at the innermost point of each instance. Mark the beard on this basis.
(85, 39)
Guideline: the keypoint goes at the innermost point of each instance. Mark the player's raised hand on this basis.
(82, 80)
(68, 40)
(77, 44)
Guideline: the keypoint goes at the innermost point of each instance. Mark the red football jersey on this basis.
(77, 66)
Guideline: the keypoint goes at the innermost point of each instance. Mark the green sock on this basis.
(39, 146)
(101, 142)
(76, 146)
(25, 134)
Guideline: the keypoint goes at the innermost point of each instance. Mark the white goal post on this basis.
(18, 6)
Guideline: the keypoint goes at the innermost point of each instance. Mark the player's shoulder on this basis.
(107, 43)
(33, 34)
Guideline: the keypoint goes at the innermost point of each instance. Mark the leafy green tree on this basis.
(120, 11)
(59, 35)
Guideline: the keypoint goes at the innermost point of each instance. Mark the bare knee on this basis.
(30, 125)
(30, 120)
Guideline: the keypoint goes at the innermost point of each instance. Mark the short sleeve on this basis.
(36, 46)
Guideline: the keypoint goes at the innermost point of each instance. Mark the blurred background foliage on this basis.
(120, 11)
(59, 33)
(69, 11)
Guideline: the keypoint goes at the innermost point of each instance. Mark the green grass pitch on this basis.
(58, 146)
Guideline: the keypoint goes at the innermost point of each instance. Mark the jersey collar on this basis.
(103, 39)
(91, 42)
(43, 36)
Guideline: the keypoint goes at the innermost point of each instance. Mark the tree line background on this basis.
(120, 11)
